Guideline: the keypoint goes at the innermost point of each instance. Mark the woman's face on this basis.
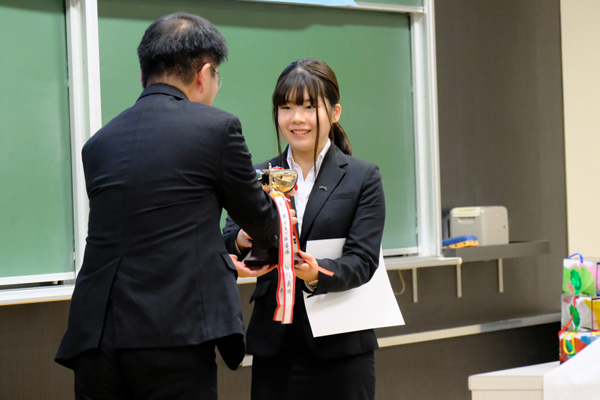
(298, 123)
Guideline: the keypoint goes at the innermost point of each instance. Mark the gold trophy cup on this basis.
(283, 181)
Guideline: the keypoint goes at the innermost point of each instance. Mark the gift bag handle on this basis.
(577, 254)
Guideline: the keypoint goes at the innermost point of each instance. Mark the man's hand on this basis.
(243, 240)
(293, 212)
(245, 272)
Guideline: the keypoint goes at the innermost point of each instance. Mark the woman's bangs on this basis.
(291, 89)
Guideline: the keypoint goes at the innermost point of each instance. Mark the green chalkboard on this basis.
(36, 222)
(369, 51)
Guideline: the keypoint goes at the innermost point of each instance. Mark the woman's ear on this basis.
(336, 113)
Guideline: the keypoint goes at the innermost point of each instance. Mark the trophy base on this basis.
(261, 257)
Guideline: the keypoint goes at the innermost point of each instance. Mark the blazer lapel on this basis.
(329, 177)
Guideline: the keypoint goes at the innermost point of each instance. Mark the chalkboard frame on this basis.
(35, 151)
(85, 119)
(428, 192)
(381, 5)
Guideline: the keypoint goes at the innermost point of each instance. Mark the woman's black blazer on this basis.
(346, 201)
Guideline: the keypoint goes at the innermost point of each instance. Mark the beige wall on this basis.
(580, 20)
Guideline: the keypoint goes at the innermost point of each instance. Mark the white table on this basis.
(524, 383)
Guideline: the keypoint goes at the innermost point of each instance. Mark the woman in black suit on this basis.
(345, 200)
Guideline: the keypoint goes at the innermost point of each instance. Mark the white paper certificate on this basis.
(372, 305)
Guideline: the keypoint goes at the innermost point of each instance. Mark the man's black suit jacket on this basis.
(346, 201)
(157, 178)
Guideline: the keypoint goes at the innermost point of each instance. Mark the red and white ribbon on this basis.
(286, 287)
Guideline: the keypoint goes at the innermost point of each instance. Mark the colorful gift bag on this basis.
(572, 343)
(585, 312)
(579, 277)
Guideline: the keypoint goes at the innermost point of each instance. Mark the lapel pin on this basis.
(323, 188)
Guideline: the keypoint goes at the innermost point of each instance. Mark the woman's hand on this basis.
(245, 272)
(243, 240)
(306, 271)
(293, 215)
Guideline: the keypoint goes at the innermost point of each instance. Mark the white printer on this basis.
(489, 224)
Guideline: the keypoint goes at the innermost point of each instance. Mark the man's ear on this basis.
(203, 78)
(141, 79)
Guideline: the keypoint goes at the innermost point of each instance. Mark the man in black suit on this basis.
(157, 290)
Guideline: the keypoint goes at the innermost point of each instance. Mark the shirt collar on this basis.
(163, 88)
(320, 157)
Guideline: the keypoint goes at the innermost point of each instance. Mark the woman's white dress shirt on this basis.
(305, 185)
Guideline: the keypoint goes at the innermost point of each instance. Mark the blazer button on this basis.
(274, 239)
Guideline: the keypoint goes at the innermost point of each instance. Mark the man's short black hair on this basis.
(177, 45)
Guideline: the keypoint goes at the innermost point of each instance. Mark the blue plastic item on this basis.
(460, 241)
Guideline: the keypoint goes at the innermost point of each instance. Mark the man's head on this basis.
(183, 50)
